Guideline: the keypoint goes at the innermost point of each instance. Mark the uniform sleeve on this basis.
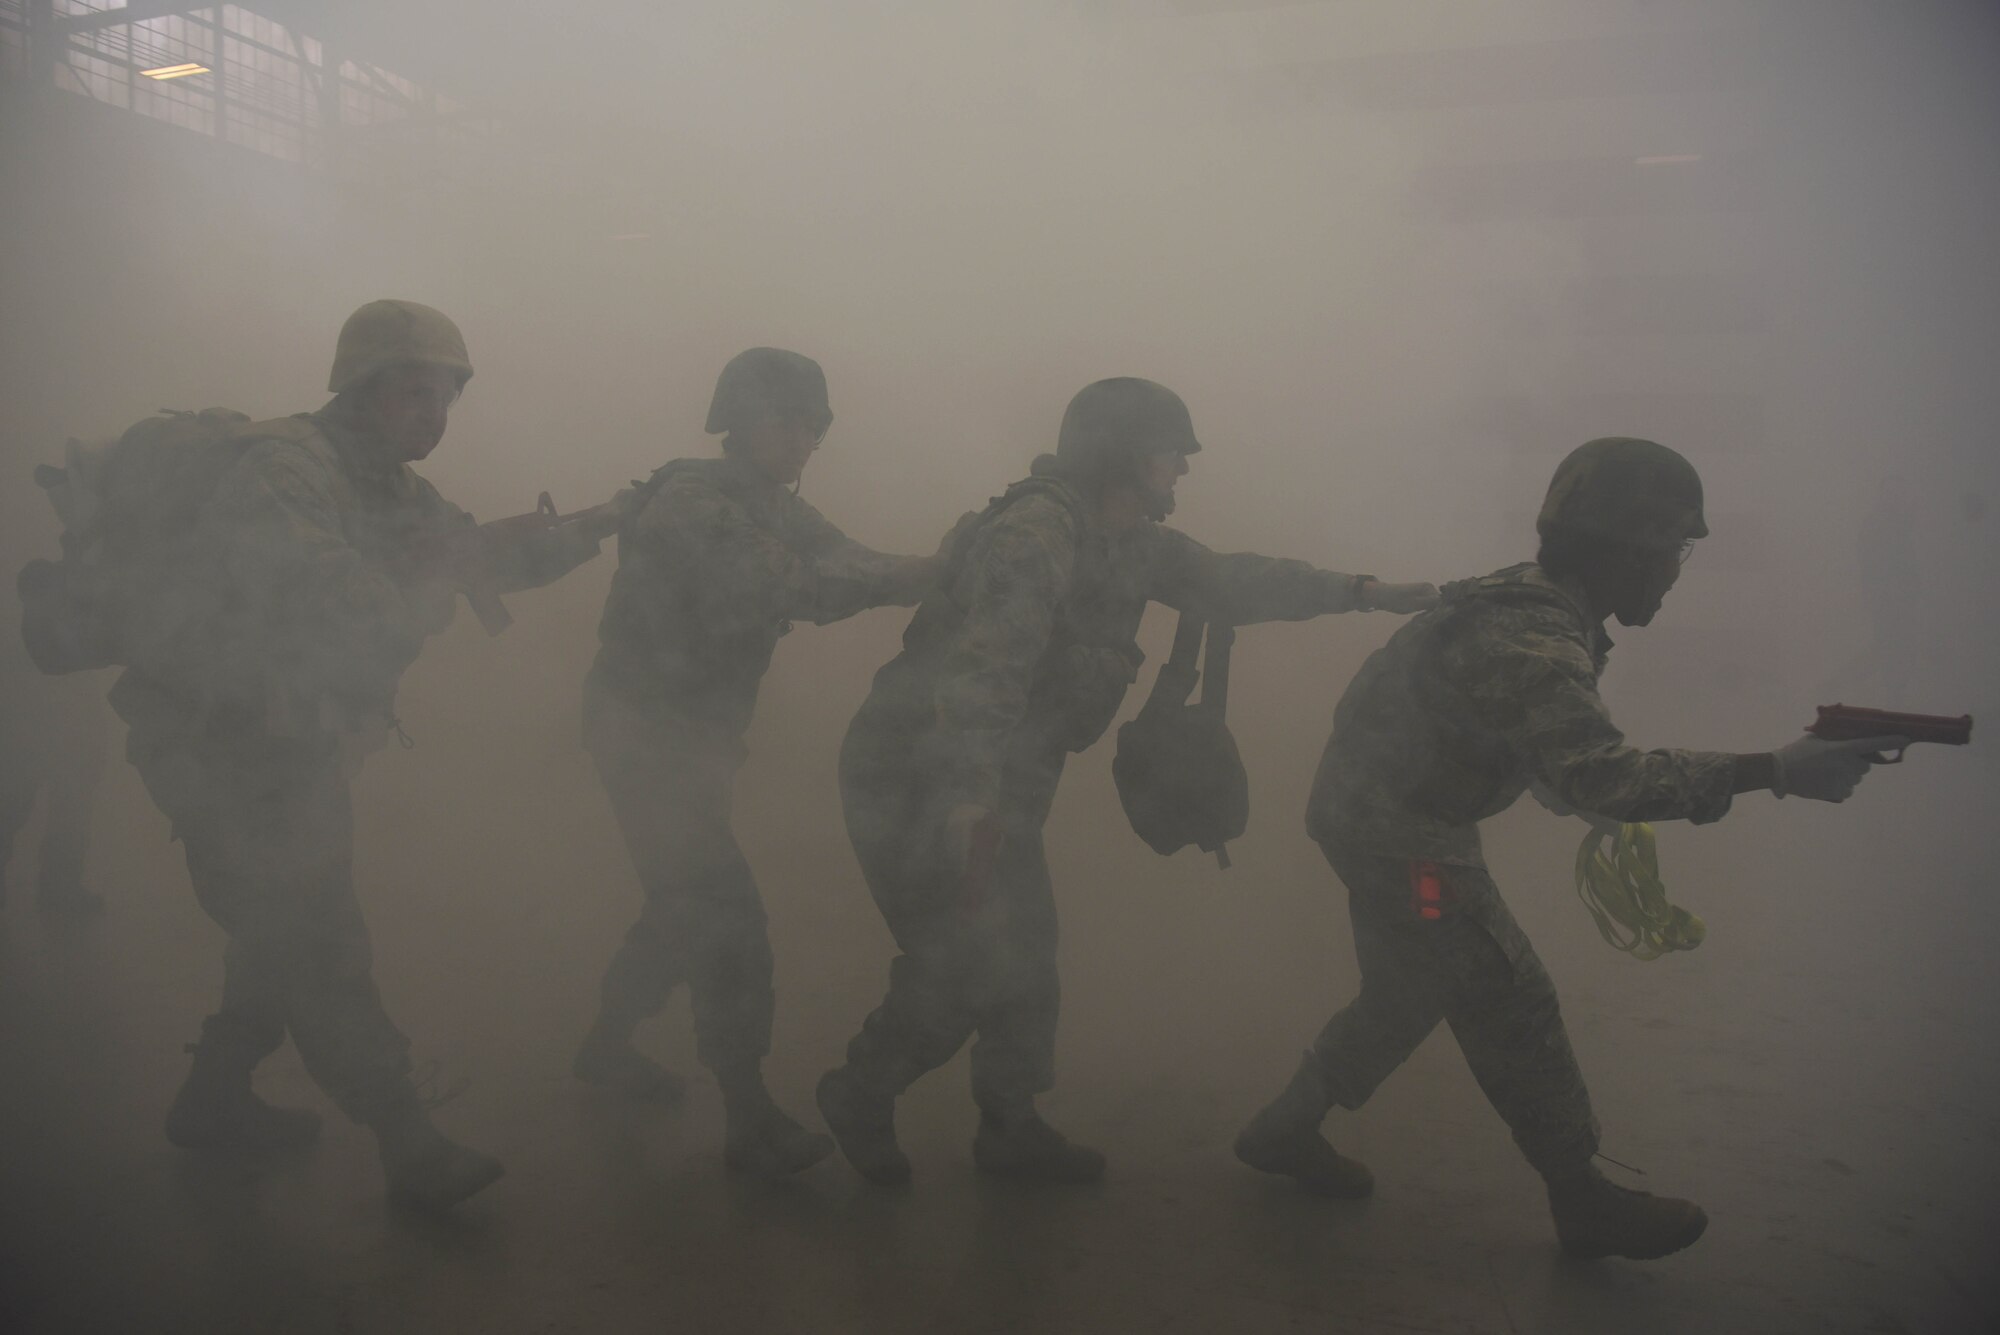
(1532, 680)
(337, 620)
(853, 578)
(1014, 580)
(1240, 588)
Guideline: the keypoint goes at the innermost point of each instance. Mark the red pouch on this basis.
(1427, 890)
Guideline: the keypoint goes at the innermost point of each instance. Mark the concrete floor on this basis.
(1820, 1075)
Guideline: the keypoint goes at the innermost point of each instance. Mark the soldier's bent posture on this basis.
(1021, 656)
(332, 561)
(720, 560)
(1466, 707)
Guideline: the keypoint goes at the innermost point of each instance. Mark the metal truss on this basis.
(262, 85)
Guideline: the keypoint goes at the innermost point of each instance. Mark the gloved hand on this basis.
(1379, 597)
(1825, 771)
(627, 501)
(916, 576)
(601, 521)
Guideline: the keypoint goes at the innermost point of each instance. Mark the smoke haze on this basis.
(1398, 260)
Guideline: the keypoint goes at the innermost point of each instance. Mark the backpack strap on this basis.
(1176, 678)
(1215, 669)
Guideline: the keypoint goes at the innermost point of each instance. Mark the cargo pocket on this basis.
(1474, 923)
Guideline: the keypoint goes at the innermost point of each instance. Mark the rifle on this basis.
(1846, 723)
(478, 582)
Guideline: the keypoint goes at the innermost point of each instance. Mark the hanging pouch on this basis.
(1179, 775)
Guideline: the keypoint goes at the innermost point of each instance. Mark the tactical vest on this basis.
(1081, 678)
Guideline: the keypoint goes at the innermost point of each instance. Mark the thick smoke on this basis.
(1395, 279)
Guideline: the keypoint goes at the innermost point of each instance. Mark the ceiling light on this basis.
(1667, 160)
(175, 71)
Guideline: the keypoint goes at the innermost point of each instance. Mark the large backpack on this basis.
(1179, 775)
(127, 588)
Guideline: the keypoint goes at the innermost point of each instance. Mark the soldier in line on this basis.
(716, 565)
(331, 561)
(1464, 709)
(1020, 657)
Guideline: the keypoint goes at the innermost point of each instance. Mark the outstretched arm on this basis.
(854, 578)
(1533, 682)
(1240, 588)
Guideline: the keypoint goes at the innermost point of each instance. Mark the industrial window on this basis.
(226, 72)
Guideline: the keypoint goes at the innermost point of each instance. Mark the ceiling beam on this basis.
(136, 12)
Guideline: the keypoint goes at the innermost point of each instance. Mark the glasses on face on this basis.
(1678, 553)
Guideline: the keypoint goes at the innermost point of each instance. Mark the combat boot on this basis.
(760, 1138)
(1596, 1217)
(863, 1121)
(616, 1065)
(1285, 1139)
(424, 1167)
(217, 1110)
(1016, 1142)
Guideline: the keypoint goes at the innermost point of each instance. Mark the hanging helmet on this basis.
(392, 333)
(767, 382)
(1113, 422)
(1626, 490)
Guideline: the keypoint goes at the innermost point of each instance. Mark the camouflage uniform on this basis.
(246, 733)
(711, 572)
(1444, 726)
(1022, 659)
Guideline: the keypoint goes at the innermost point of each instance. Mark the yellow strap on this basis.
(1623, 891)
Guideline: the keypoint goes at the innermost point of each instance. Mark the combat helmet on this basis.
(1626, 490)
(1111, 423)
(761, 383)
(391, 333)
